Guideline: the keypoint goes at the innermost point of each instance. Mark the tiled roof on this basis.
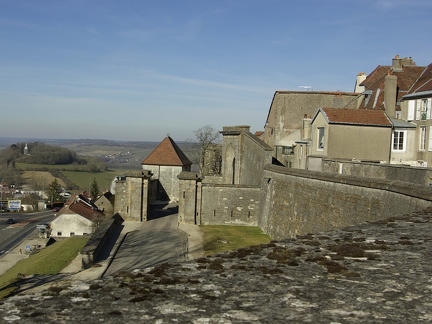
(167, 153)
(424, 82)
(82, 209)
(375, 80)
(356, 117)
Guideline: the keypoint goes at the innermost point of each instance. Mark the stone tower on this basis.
(166, 162)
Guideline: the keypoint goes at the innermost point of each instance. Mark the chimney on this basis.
(360, 78)
(337, 101)
(306, 128)
(390, 95)
(398, 63)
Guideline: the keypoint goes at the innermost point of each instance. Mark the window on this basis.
(59, 233)
(422, 139)
(399, 140)
(423, 111)
(411, 109)
(430, 139)
(72, 233)
(320, 138)
(288, 150)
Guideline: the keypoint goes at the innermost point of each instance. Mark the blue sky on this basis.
(139, 70)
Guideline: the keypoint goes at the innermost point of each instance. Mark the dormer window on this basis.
(367, 96)
(320, 146)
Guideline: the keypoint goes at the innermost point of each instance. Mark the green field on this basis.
(38, 173)
(84, 179)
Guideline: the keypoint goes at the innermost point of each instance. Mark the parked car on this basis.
(56, 209)
(11, 221)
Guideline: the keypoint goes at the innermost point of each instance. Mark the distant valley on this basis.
(116, 154)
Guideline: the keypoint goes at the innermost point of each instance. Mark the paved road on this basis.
(156, 241)
(12, 235)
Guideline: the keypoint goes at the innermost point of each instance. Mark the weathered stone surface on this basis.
(378, 272)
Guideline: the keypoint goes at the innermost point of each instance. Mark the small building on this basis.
(105, 203)
(165, 163)
(77, 217)
(349, 134)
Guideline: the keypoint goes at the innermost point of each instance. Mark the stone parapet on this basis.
(376, 272)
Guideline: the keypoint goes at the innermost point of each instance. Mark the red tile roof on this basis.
(167, 153)
(356, 117)
(83, 209)
(375, 80)
(424, 82)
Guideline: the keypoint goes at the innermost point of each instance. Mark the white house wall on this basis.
(67, 225)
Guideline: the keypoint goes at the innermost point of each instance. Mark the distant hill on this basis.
(7, 141)
(116, 154)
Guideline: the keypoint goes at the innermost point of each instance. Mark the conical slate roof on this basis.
(167, 153)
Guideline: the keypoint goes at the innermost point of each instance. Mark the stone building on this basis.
(105, 203)
(348, 138)
(157, 182)
(233, 196)
(133, 194)
(165, 163)
(288, 112)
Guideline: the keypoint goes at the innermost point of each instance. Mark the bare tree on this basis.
(207, 138)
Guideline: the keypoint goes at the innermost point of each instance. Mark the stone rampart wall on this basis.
(255, 154)
(97, 241)
(296, 202)
(404, 173)
(229, 204)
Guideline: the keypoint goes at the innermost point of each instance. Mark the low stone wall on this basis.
(229, 204)
(96, 242)
(417, 175)
(296, 202)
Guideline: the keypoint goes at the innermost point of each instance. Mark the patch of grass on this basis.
(223, 238)
(49, 260)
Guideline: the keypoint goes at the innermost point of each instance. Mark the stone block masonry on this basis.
(229, 204)
(296, 202)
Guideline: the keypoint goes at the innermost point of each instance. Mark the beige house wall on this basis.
(359, 142)
(411, 149)
(319, 122)
(420, 120)
(351, 141)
